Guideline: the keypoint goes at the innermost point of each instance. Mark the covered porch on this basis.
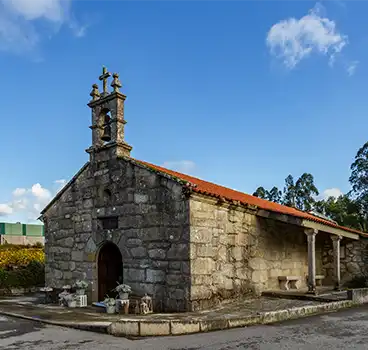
(316, 283)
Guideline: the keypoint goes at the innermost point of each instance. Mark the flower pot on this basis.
(110, 309)
(72, 303)
(80, 291)
(123, 296)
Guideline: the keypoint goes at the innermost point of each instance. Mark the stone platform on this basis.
(228, 315)
(323, 294)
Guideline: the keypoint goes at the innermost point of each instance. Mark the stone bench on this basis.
(289, 282)
(319, 280)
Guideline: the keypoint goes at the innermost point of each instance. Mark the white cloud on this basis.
(53, 10)
(293, 40)
(20, 19)
(352, 68)
(330, 192)
(39, 192)
(182, 166)
(19, 192)
(26, 203)
(5, 209)
(60, 184)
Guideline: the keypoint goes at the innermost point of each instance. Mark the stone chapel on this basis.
(186, 242)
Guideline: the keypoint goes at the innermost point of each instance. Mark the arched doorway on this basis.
(109, 268)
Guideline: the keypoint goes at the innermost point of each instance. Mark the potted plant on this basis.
(70, 300)
(80, 287)
(123, 290)
(110, 305)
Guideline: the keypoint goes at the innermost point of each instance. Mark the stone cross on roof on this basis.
(105, 75)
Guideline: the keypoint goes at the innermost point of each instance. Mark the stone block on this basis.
(154, 328)
(185, 267)
(155, 276)
(138, 252)
(257, 264)
(228, 270)
(152, 233)
(124, 328)
(218, 278)
(184, 327)
(204, 250)
(274, 273)
(176, 293)
(203, 266)
(202, 223)
(133, 242)
(175, 265)
(287, 264)
(201, 235)
(202, 279)
(195, 205)
(134, 275)
(160, 264)
(242, 273)
(199, 292)
(77, 255)
(174, 279)
(259, 276)
(178, 251)
(157, 253)
(228, 283)
(72, 265)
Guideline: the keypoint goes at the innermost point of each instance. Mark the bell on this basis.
(106, 136)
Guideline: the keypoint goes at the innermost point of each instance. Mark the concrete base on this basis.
(144, 328)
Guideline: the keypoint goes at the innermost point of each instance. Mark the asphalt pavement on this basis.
(346, 329)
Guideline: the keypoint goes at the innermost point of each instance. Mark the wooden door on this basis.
(109, 270)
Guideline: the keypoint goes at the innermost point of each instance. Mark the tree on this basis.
(274, 195)
(344, 210)
(350, 210)
(297, 195)
(359, 182)
(289, 192)
(359, 173)
(305, 191)
(260, 193)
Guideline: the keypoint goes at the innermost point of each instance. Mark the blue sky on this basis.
(240, 93)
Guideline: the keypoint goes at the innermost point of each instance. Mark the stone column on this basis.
(311, 234)
(336, 254)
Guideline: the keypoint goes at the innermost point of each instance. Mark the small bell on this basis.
(106, 136)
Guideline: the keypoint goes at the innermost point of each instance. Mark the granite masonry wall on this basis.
(152, 233)
(234, 252)
(353, 259)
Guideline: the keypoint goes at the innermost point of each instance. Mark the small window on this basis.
(110, 223)
(107, 195)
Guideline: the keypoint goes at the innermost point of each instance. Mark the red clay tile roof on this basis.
(211, 189)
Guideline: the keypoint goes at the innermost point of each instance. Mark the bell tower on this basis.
(108, 120)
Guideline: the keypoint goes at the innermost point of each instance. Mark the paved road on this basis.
(343, 330)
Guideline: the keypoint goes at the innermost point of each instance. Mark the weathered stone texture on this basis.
(234, 252)
(353, 259)
(152, 233)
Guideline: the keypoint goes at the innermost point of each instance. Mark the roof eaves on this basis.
(153, 169)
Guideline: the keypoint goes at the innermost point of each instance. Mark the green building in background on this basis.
(19, 233)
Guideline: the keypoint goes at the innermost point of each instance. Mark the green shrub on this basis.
(31, 275)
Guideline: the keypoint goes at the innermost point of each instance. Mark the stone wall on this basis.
(152, 233)
(353, 259)
(233, 252)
